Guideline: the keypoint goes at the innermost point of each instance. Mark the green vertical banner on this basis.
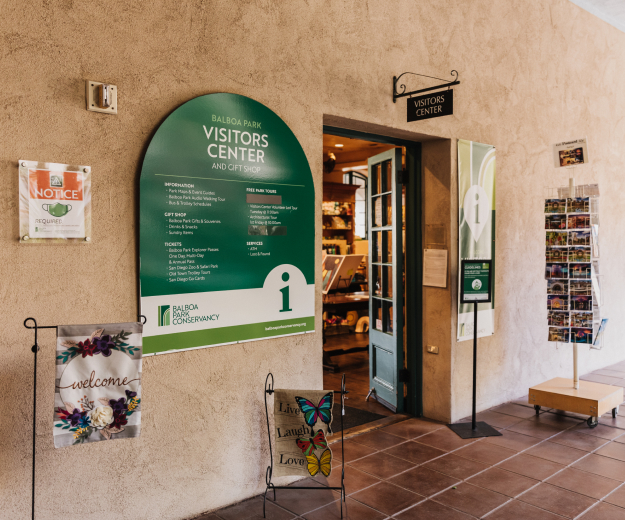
(227, 228)
(476, 227)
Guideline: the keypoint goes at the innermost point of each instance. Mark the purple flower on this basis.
(76, 417)
(130, 395)
(104, 345)
(119, 405)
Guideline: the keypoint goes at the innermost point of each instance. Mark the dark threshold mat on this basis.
(353, 417)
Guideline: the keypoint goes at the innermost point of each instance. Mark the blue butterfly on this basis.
(322, 411)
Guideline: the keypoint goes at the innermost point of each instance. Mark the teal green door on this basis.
(386, 317)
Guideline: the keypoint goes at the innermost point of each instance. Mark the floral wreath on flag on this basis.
(85, 419)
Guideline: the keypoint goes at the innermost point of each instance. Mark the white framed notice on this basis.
(435, 267)
(55, 202)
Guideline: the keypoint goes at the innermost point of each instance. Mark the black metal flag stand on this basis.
(35, 350)
(474, 429)
(269, 389)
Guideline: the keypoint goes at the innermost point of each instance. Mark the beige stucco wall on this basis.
(533, 73)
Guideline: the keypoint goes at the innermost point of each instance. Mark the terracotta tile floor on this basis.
(550, 467)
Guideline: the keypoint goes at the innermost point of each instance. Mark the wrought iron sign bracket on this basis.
(403, 93)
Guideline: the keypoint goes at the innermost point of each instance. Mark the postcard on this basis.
(581, 303)
(576, 238)
(556, 271)
(559, 335)
(556, 238)
(595, 240)
(595, 284)
(558, 319)
(578, 205)
(604, 323)
(555, 221)
(570, 153)
(579, 254)
(557, 254)
(581, 319)
(580, 271)
(581, 335)
(556, 302)
(555, 206)
(575, 221)
(579, 288)
(558, 286)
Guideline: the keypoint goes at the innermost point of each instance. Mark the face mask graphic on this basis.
(57, 210)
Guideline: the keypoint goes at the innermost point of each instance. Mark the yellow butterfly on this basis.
(324, 463)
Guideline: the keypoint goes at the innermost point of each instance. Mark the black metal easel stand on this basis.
(474, 429)
(269, 388)
(35, 350)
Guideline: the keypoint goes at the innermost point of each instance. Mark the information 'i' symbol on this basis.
(285, 294)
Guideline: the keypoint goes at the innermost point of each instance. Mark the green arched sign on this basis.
(226, 227)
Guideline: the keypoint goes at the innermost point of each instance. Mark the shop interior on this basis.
(346, 265)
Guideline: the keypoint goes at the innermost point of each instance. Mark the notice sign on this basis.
(226, 227)
(55, 201)
(431, 105)
(435, 267)
(475, 281)
(570, 153)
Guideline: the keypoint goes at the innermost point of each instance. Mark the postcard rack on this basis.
(269, 389)
(35, 349)
(590, 191)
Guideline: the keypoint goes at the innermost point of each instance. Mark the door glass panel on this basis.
(387, 281)
(376, 248)
(377, 219)
(387, 317)
(376, 271)
(377, 314)
(387, 210)
(387, 244)
(375, 179)
(388, 175)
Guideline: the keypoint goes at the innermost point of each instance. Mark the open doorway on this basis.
(364, 273)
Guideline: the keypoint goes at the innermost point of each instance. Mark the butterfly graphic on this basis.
(310, 444)
(324, 463)
(322, 411)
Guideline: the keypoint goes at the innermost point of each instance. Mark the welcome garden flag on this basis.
(476, 227)
(303, 420)
(98, 383)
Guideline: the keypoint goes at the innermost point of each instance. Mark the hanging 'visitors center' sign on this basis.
(428, 106)
(226, 227)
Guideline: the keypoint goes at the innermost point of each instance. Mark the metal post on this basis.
(473, 419)
(35, 349)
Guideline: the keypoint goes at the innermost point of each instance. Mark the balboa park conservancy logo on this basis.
(164, 315)
(181, 315)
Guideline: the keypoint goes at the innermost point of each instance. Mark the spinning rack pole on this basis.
(575, 353)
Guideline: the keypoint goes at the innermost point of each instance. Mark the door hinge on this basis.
(404, 375)
(402, 177)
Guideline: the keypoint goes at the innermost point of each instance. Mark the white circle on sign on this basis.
(477, 285)
(99, 377)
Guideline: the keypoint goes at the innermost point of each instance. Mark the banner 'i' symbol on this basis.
(476, 206)
(285, 294)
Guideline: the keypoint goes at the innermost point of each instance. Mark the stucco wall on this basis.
(533, 73)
